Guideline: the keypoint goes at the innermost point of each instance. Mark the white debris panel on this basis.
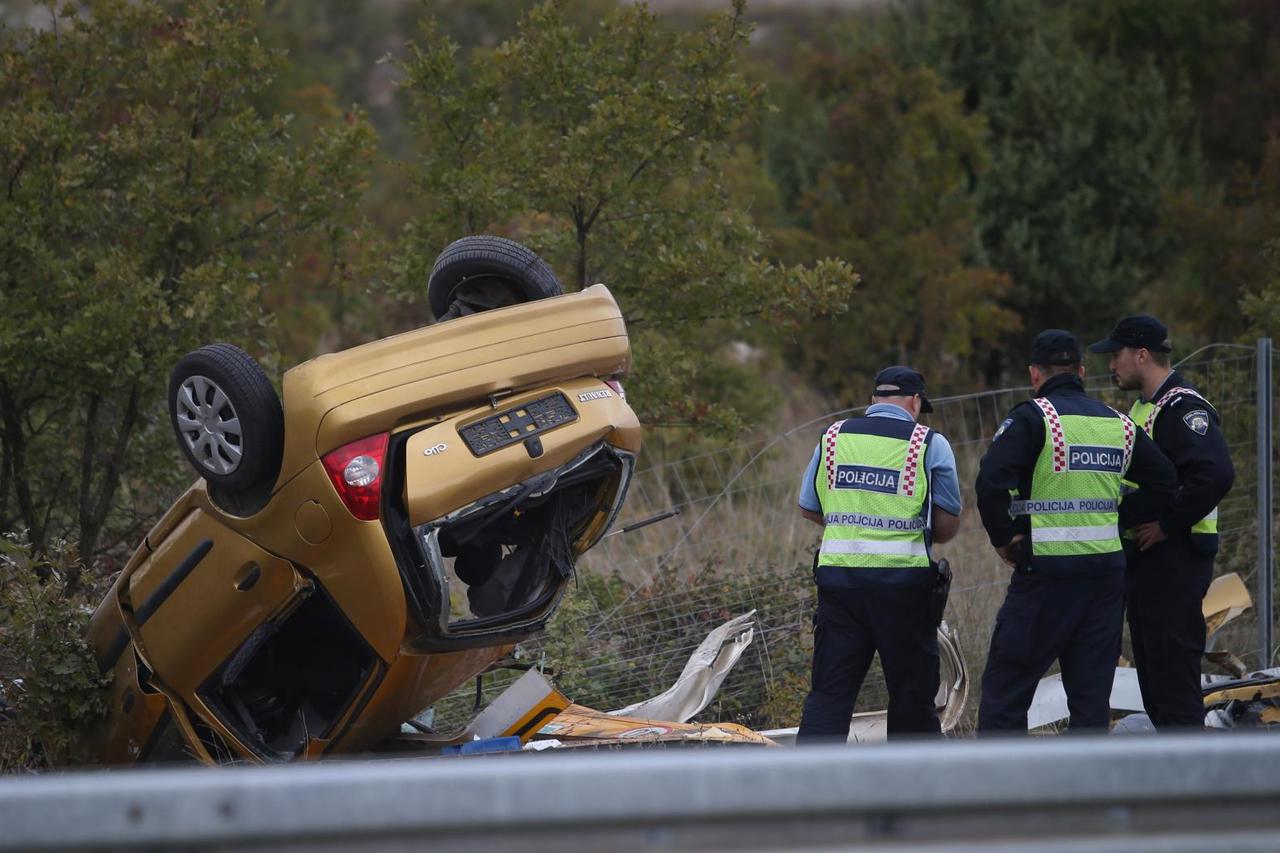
(702, 676)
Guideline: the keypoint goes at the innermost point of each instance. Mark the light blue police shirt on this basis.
(944, 485)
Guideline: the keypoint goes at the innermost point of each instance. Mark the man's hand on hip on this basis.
(1008, 552)
(1149, 535)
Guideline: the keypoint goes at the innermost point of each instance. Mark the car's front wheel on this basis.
(227, 418)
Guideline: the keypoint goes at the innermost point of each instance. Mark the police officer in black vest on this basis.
(1170, 560)
(1048, 491)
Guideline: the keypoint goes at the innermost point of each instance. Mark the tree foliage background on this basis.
(151, 201)
(283, 178)
(610, 149)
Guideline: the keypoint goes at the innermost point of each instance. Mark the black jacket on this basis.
(1202, 460)
(1010, 460)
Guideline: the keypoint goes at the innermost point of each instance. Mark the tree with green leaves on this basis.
(149, 203)
(896, 198)
(607, 149)
(1083, 146)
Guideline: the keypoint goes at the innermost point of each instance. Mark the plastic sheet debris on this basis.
(1049, 705)
(1134, 724)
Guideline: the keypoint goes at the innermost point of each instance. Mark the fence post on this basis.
(1265, 545)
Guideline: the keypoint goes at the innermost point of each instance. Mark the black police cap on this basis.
(1055, 347)
(1140, 331)
(899, 381)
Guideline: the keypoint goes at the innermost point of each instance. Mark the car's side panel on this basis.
(134, 714)
(353, 562)
(162, 528)
(107, 634)
(200, 595)
(442, 474)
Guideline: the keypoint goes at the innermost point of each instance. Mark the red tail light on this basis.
(356, 471)
(617, 388)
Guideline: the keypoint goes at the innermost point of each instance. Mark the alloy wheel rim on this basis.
(210, 425)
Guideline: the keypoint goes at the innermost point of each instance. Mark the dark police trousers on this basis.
(851, 625)
(1076, 621)
(1165, 588)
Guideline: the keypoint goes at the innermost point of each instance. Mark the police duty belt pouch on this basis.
(1020, 552)
(941, 590)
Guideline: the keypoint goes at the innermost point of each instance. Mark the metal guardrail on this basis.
(1193, 792)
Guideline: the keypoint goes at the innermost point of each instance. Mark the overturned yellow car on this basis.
(410, 510)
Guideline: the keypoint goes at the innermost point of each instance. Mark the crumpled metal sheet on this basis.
(702, 676)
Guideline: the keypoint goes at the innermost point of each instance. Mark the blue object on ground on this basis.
(479, 747)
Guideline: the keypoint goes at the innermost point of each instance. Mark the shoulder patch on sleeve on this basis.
(1004, 426)
(1197, 421)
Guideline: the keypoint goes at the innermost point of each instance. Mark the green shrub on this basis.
(49, 678)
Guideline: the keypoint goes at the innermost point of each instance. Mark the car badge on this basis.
(435, 450)
(588, 396)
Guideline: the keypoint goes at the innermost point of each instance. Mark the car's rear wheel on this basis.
(481, 273)
(227, 418)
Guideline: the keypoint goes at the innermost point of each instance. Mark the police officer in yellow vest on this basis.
(1048, 490)
(1170, 560)
(884, 488)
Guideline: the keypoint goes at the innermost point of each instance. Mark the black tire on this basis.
(481, 272)
(211, 388)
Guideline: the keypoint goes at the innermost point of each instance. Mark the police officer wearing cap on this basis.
(1048, 490)
(1170, 560)
(884, 488)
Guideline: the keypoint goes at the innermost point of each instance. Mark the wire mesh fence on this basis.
(730, 540)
